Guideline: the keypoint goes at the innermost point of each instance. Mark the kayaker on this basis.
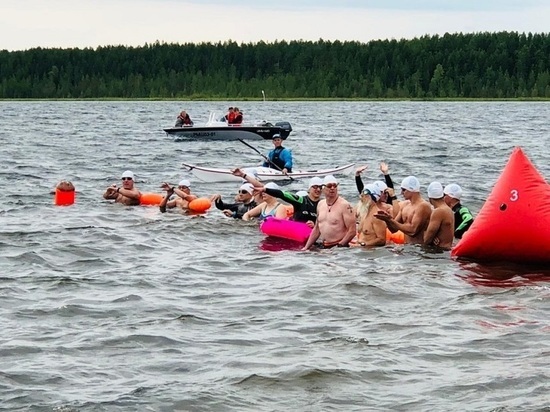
(280, 158)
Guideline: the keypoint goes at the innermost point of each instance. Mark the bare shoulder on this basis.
(426, 207)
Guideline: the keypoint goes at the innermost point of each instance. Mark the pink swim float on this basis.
(287, 229)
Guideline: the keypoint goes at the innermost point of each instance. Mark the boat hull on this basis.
(208, 174)
(228, 132)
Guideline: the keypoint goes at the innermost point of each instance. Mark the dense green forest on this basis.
(477, 65)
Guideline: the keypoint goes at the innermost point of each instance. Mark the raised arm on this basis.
(358, 181)
(386, 172)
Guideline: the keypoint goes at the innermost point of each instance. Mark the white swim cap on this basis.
(128, 173)
(453, 190)
(380, 185)
(315, 181)
(184, 182)
(247, 187)
(435, 190)
(372, 191)
(411, 184)
(329, 179)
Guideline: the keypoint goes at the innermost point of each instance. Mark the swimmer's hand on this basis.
(383, 215)
(360, 170)
(310, 224)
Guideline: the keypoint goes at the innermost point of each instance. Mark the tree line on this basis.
(476, 65)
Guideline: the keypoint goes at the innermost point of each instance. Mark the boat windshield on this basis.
(215, 119)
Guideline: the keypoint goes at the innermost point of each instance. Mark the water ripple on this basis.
(106, 307)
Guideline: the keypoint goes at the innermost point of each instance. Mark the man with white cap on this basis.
(463, 217)
(127, 194)
(414, 215)
(371, 231)
(245, 202)
(335, 223)
(183, 193)
(440, 231)
(305, 206)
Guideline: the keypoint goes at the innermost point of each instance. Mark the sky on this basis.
(26, 24)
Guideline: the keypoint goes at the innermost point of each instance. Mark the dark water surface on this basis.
(110, 308)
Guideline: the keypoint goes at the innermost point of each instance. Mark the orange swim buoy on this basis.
(200, 205)
(397, 237)
(64, 194)
(150, 199)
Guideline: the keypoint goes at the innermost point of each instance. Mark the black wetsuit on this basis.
(463, 220)
(304, 208)
(238, 209)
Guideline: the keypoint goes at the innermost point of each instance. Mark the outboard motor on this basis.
(285, 127)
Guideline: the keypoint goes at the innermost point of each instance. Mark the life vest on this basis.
(275, 157)
(230, 117)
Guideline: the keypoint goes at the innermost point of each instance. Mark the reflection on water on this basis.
(503, 274)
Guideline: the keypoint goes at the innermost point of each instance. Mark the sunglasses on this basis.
(331, 186)
(126, 178)
(182, 187)
(243, 192)
(316, 187)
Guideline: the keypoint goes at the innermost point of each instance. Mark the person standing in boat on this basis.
(230, 116)
(183, 120)
(237, 116)
(127, 194)
(280, 158)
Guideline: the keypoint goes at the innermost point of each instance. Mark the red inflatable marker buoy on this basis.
(64, 194)
(514, 223)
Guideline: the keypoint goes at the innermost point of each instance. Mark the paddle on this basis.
(266, 158)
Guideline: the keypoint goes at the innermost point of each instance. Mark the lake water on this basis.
(109, 308)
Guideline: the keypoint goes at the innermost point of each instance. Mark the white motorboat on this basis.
(217, 129)
(210, 174)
